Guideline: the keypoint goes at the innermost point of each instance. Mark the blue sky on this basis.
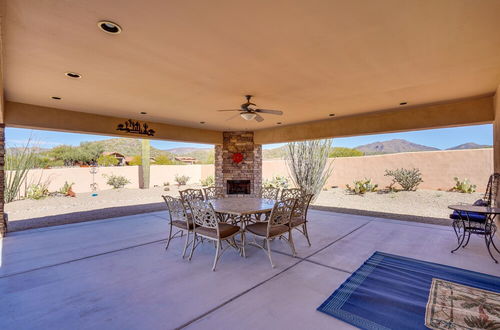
(440, 138)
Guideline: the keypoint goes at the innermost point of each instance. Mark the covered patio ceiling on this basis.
(181, 61)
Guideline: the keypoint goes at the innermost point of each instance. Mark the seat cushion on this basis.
(297, 221)
(476, 217)
(260, 229)
(225, 230)
(182, 224)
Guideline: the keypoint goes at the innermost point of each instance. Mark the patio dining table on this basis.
(241, 209)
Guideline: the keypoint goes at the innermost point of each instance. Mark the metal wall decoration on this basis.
(131, 126)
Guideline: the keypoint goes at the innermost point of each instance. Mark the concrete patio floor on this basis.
(115, 274)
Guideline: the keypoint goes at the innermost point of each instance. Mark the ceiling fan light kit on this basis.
(248, 115)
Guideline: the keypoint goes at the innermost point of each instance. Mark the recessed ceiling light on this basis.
(56, 98)
(109, 27)
(331, 115)
(403, 103)
(202, 122)
(143, 113)
(278, 123)
(73, 75)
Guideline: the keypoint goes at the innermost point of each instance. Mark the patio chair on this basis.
(269, 193)
(299, 215)
(207, 226)
(294, 193)
(277, 226)
(178, 219)
(189, 195)
(213, 193)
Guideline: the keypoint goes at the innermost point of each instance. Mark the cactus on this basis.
(144, 168)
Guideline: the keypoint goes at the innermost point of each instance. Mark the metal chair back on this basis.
(189, 195)
(213, 193)
(294, 193)
(302, 205)
(269, 193)
(281, 214)
(203, 214)
(491, 194)
(176, 208)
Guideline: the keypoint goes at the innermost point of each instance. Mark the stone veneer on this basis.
(249, 169)
(3, 224)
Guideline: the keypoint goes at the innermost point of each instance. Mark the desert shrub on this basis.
(107, 160)
(407, 179)
(166, 184)
(345, 152)
(208, 181)
(280, 182)
(463, 186)
(37, 191)
(181, 180)
(116, 181)
(66, 187)
(308, 164)
(18, 162)
(362, 186)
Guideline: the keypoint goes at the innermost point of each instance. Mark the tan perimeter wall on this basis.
(82, 178)
(438, 168)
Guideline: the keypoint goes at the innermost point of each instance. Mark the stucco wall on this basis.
(82, 177)
(438, 167)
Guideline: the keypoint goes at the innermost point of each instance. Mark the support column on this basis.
(3, 224)
(496, 147)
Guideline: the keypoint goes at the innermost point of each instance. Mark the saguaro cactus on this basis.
(144, 168)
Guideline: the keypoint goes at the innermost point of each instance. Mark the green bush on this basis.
(66, 187)
(107, 160)
(208, 181)
(362, 186)
(407, 179)
(116, 181)
(181, 180)
(163, 160)
(37, 191)
(345, 152)
(136, 160)
(280, 182)
(463, 186)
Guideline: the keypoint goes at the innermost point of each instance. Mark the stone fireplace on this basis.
(238, 165)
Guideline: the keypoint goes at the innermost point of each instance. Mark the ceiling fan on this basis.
(248, 112)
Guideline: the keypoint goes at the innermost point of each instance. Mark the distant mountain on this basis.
(393, 146)
(183, 151)
(275, 153)
(128, 147)
(469, 145)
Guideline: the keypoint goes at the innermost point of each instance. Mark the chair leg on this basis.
(290, 242)
(185, 244)
(306, 233)
(192, 247)
(243, 243)
(169, 237)
(217, 249)
(269, 252)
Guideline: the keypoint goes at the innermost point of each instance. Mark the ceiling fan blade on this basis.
(272, 112)
(232, 117)
(258, 118)
(230, 110)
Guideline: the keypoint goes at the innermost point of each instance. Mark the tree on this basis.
(345, 152)
(136, 160)
(308, 164)
(107, 160)
(163, 160)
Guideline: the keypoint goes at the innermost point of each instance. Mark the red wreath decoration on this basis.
(238, 157)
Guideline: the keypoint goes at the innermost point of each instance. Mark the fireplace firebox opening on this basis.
(238, 187)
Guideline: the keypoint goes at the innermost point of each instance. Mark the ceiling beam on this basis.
(45, 118)
(477, 110)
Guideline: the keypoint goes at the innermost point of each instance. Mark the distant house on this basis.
(187, 160)
(121, 158)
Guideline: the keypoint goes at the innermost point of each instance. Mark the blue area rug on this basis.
(391, 292)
